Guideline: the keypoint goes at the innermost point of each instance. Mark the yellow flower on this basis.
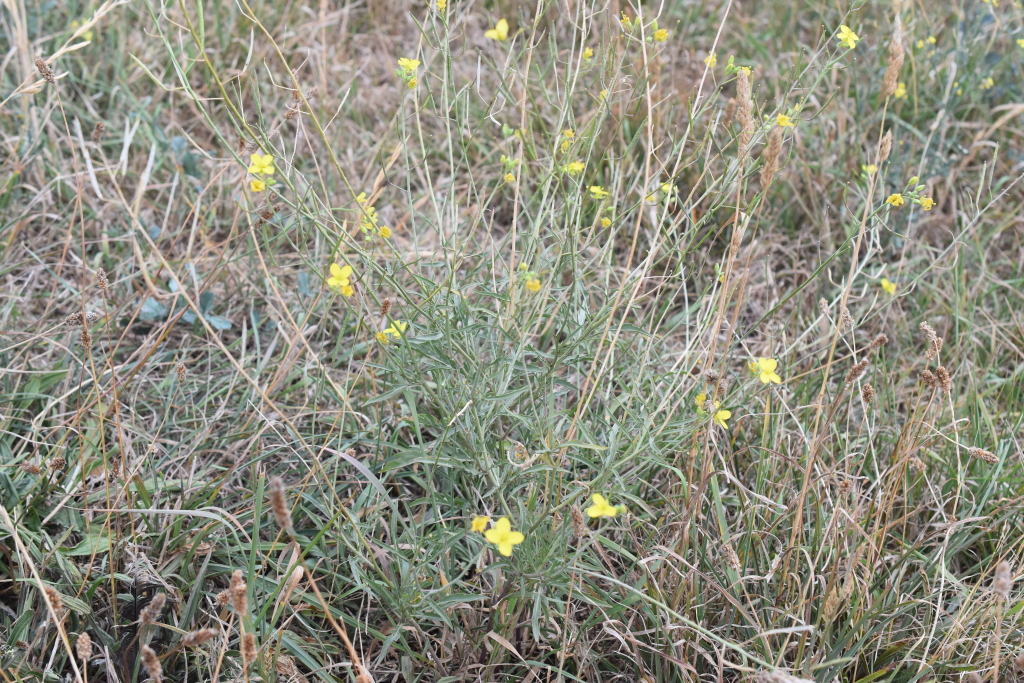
(499, 32)
(568, 133)
(888, 285)
(847, 38)
(701, 399)
(407, 64)
(895, 200)
(766, 371)
(784, 121)
(901, 91)
(413, 82)
(721, 417)
(509, 178)
(754, 367)
(502, 536)
(1020, 41)
(441, 4)
(480, 523)
(361, 198)
(262, 165)
(533, 284)
(381, 337)
(257, 185)
(869, 169)
(601, 507)
(574, 168)
(588, 53)
(385, 231)
(626, 23)
(396, 329)
(598, 192)
(605, 222)
(931, 40)
(927, 203)
(603, 95)
(986, 84)
(668, 188)
(711, 60)
(341, 279)
(661, 35)
(920, 44)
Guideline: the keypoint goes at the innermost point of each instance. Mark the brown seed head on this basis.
(856, 372)
(239, 595)
(385, 308)
(83, 646)
(57, 463)
(730, 112)
(248, 648)
(1003, 582)
(885, 147)
(179, 368)
(731, 558)
(197, 638)
(771, 156)
(878, 342)
(45, 71)
(151, 663)
(929, 378)
(846, 319)
(222, 598)
(744, 113)
(86, 338)
(279, 505)
(97, 131)
(75, 319)
(945, 381)
(55, 600)
(823, 307)
(31, 469)
(867, 392)
(982, 454)
(151, 612)
(934, 341)
(917, 464)
(101, 279)
(892, 71)
(579, 526)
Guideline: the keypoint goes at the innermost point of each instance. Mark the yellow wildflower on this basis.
(701, 399)
(533, 284)
(413, 82)
(509, 178)
(502, 536)
(396, 329)
(262, 165)
(784, 121)
(257, 185)
(901, 91)
(626, 23)
(931, 40)
(888, 285)
(668, 188)
(381, 337)
(341, 279)
(385, 231)
(605, 222)
(895, 200)
(1020, 41)
(847, 38)
(574, 168)
(603, 95)
(987, 83)
(711, 60)
(927, 203)
(407, 64)
(721, 417)
(499, 32)
(661, 35)
(766, 371)
(480, 523)
(441, 4)
(598, 192)
(601, 507)
(588, 53)
(870, 169)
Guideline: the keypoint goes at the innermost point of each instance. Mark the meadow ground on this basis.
(481, 340)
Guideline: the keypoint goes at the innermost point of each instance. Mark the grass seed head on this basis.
(846, 318)
(867, 392)
(885, 147)
(579, 526)
(197, 638)
(1004, 580)
(45, 71)
(279, 505)
(917, 464)
(929, 378)
(772, 152)
(934, 341)
(878, 342)
(57, 463)
(151, 663)
(856, 372)
(55, 600)
(238, 595)
(83, 646)
(730, 112)
(892, 71)
(151, 612)
(31, 468)
(385, 308)
(179, 369)
(982, 454)
(86, 338)
(945, 381)
(249, 648)
(101, 279)
(731, 558)
(97, 131)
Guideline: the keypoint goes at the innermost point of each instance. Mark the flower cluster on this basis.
(396, 329)
(912, 192)
(500, 533)
(406, 71)
(508, 164)
(262, 167)
(530, 278)
(369, 222)
(719, 415)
